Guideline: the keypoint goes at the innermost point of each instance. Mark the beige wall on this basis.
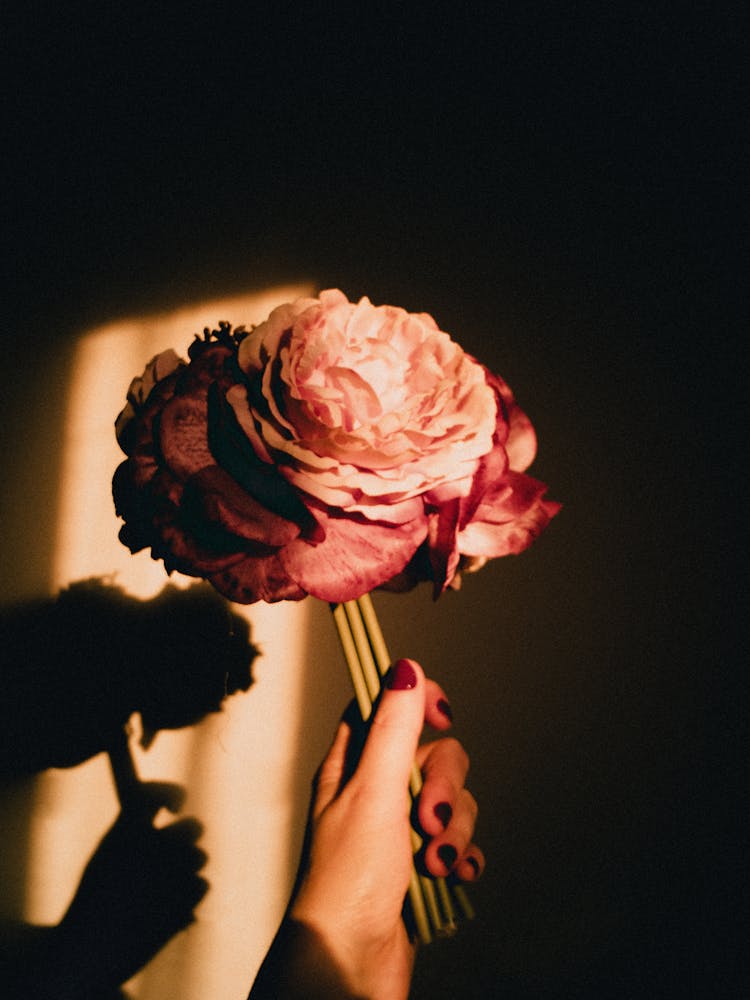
(246, 770)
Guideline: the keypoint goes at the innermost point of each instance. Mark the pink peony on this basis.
(335, 448)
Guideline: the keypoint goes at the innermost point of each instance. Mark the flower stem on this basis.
(367, 659)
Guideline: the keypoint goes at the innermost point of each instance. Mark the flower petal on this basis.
(443, 544)
(182, 550)
(212, 495)
(508, 523)
(518, 437)
(183, 436)
(354, 558)
(257, 578)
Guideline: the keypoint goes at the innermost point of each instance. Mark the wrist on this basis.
(300, 966)
(365, 963)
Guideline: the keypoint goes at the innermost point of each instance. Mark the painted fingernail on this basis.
(402, 676)
(447, 854)
(445, 709)
(443, 811)
(474, 864)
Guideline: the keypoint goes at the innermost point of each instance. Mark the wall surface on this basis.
(558, 190)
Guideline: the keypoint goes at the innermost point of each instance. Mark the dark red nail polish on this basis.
(474, 864)
(402, 676)
(447, 854)
(443, 811)
(444, 708)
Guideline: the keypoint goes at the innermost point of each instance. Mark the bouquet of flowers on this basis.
(335, 448)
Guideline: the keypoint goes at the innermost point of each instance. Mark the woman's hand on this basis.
(344, 934)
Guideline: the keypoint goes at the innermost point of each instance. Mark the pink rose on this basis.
(335, 448)
(369, 409)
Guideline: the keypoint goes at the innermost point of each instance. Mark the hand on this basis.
(344, 934)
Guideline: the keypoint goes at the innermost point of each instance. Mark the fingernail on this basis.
(443, 811)
(445, 709)
(402, 676)
(474, 864)
(447, 854)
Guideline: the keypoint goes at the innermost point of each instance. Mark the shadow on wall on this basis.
(245, 769)
(78, 667)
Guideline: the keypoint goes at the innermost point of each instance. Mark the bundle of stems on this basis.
(431, 900)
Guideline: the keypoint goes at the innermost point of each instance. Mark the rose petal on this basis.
(354, 558)
(257, 578)
(141, 442)
(183, 436)
(443, 546)
(233, 452)
(157, 369)
(182, 550)
(124, 493)
(508, 525)
(214, 496)
(514, 429)
(209, 363)
(487, 479)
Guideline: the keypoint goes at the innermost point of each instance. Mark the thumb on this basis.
(396, 726)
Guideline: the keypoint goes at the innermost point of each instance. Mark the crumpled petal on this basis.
(257, 578)
(354, 558)
(183, 436)
(213, 497)
(508, 520)
(514, 429)
(183, 550)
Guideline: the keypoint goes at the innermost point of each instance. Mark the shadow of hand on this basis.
(138, 890)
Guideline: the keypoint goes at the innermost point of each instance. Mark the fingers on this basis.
(471, 865)
(452, 847)
(396, 726)
(334, 769)
(438, 711)
(447, 812)
(185, 831)
(444, 765)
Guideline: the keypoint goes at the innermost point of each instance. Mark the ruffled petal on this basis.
(182, 550)
(183, 436)
(354, 558)
(212, 496)
(257, 578)
(508, 521)
(514, 430)
(443, 536)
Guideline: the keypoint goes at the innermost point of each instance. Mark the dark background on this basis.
(561, 188)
